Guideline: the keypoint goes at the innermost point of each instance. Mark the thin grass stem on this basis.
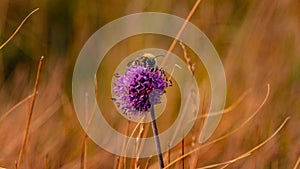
(4, 115)
(248, 153)
(181, 30)
(47, 161)
(182, 152)
(28, 121)
(297, 163)
(19, 27)
(226, 135)
(147, 163)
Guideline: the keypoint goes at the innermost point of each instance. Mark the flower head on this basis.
(140, 88)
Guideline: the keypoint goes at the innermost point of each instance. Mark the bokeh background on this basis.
(258, 43)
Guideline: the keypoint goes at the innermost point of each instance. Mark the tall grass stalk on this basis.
(188, 18)
(28, 121)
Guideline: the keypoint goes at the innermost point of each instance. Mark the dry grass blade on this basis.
(191, 66)
(180, 121)
(297, 163)
(46, 161)
(169, 155)
(19, 27)
(146, 130)
(225, 166)
(123, 159)
(4, 115)
(117, 162)
(250, 151)
(226, 135)
(83, 156)
(134, 130)
(90, 119)
(36, 124)
(182, 151)
(228, 109)
(245, 122)
(83, 160)
(181, 30)
(227, 163)
(28, 121)
(147, 163)
(138, 144)
(83, 163)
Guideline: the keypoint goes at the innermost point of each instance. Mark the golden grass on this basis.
(4, 115)
(187, 19)
(191, 66)
(248, 153)
(224, 136)
(258, 44)
(18, 28)
(29, 115)
(297, 163)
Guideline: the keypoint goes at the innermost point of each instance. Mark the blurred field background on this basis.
(258, 43)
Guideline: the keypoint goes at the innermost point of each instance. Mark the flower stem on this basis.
(156, 138)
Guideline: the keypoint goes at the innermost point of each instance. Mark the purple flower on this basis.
(139, 88)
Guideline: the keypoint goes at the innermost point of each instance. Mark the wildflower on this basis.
(139, 88)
